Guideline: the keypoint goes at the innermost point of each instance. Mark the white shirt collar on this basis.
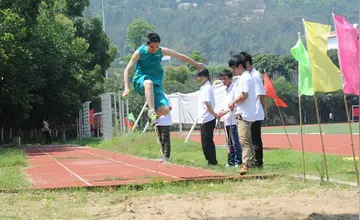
(253, 70)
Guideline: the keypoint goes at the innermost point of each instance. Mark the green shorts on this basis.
(159, 95)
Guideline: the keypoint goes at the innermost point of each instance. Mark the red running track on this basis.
(338, 144)
(69, 166)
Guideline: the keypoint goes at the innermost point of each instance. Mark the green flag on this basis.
(131, 117)
(305, 78)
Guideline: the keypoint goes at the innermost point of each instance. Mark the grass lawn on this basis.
(130, 202)
(116, 203)
(12, 162)
(335, 128)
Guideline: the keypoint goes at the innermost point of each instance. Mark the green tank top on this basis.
(149, 65)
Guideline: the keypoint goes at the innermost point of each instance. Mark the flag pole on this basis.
(302, 137)
(282, 120)
(351, 138)
(301, 127)
(348, 119)
(321, 136)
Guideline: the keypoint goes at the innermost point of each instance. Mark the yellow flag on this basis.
(326, 75)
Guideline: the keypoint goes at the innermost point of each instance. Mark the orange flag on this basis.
(271, 92)
(91, 113)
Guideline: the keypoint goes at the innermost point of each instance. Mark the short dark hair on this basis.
(247, 56)
(227, 73)
(203, 72)
(237, 59)
(153, 38)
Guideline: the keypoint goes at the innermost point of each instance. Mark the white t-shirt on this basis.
(165, 120)
(230, 117)
(206, 95)
(46, 126)
(246, 108)
(259, 90)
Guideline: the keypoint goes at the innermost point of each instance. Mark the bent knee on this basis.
(148, 83)
(164, 110)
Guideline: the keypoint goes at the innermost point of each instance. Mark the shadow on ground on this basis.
(317, 216)
(313, 216)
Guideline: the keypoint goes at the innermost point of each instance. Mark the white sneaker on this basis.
(163, 159)
(229, 166)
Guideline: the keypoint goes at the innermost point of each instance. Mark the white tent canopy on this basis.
(185, 106)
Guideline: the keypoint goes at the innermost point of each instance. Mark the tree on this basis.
(75, 8)
(179, 74)
(136, 33)
(50, 62)
(197, 57)
(276, 65)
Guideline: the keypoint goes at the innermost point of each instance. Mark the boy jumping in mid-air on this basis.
(149, 74)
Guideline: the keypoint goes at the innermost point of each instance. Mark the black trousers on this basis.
(164, 136)
(257, 142)
(47, 137)
(207, 141)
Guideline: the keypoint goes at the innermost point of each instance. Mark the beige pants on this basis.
(248, 152)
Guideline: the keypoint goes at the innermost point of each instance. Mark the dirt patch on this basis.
(280, 198)
(324, 204)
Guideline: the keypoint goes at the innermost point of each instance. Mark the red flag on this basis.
(91, 113)
(271, 92)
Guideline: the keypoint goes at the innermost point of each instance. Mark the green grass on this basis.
(106, 203)
(287, 162)
(12, 162)
(335, 128)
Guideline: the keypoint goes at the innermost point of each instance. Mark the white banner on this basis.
(185, 106)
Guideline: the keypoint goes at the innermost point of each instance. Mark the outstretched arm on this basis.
(182, 57)
(134, 58)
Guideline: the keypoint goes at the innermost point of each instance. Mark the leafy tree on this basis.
(50, 62)
(197, 57)
(136, 33)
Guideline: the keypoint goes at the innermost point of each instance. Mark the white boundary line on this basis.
(263, 133)
(79, 177)
(117, 161)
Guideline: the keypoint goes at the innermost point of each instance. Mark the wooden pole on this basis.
(282, 120)
(351, 138)
(302, 138)
(321, 136)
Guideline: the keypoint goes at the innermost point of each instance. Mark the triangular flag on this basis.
(305, 78)
(348, 52)
(326, 76)
(131, 117)
(271, 92)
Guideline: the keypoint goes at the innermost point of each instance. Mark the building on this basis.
(332, 40)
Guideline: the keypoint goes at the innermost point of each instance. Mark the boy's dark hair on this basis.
(204, 72)
(238, 59)
(152, 38)
(227, 73)
(247, 56)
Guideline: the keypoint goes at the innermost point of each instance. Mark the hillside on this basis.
(216, 27)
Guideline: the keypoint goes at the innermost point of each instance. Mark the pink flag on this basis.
(348, 52)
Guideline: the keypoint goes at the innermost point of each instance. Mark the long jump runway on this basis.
(73, 166)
